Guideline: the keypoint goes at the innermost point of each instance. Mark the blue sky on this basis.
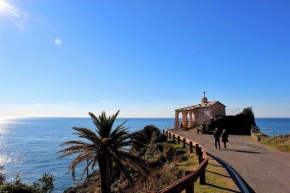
(146, 58)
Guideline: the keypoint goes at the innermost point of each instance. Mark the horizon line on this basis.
(117, 117)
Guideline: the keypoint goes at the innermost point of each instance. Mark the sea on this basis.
(29, 146)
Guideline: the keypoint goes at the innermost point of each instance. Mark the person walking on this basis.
(216, 136)
(225, 136)
(198, 129)
(181, 126)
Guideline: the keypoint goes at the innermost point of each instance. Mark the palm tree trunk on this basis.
(105, 175)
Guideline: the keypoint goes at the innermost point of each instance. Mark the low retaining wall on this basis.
(254, 136)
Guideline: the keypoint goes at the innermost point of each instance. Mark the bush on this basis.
(158, 179)
(161, 138)
(151, 131)
(249, 114)
(2, 179)
(169, 152)
(45, 185)
(2, 176)
(47, 182)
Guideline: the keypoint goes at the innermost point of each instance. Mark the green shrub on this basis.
(161, 138)
(2, 176)
(45, 185)
(151, 131)
(248, 112)
(2, 179)
(47, 182)
(169, 151)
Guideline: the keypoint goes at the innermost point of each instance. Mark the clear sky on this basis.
(145, 57)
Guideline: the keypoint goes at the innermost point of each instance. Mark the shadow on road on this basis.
(243, 151)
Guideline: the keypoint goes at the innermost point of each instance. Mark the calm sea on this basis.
(28, 145)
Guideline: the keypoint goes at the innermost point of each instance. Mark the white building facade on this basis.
(196, 114)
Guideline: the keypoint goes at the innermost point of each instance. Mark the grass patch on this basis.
(217, 180)
(281, 142)
(190, 165)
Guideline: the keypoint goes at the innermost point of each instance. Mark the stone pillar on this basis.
(195, 118)
(176, 123)
(176, 116)
(184, 119)
(190, 119)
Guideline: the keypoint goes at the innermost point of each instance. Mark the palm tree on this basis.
(106, 147)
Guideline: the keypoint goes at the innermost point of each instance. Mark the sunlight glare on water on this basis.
(29, 146)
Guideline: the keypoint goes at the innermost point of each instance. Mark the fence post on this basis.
(178, 139)
(191, 147)
(184, 142)
(202, 175)
(173, 137)
(196, 149)
(189, 189)
(200, 158)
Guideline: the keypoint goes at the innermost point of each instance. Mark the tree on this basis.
(106, 147)
(249, 114)
(149, 131)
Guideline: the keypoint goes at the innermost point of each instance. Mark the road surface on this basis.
(266, 170)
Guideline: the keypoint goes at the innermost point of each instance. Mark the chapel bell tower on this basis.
(204, 99)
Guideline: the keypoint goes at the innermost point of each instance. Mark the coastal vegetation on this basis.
(44, 184)
(110, 149)
(280, 142)
(168, 160)
(141, 161)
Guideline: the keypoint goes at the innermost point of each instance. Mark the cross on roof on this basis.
(204, 94)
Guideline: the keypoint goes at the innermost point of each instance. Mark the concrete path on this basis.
(263, 168)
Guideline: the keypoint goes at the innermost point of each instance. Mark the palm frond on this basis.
(135, 161)
(122, 167)
(118, 128)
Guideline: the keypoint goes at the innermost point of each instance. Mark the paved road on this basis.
(263, 168)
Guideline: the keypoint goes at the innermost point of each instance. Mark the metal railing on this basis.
(257, 134)
(169, 126)
(232, 111)
(255, 129)
(269, 131)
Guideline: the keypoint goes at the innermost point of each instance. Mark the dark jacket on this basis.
(216, 134)
(225, 137)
